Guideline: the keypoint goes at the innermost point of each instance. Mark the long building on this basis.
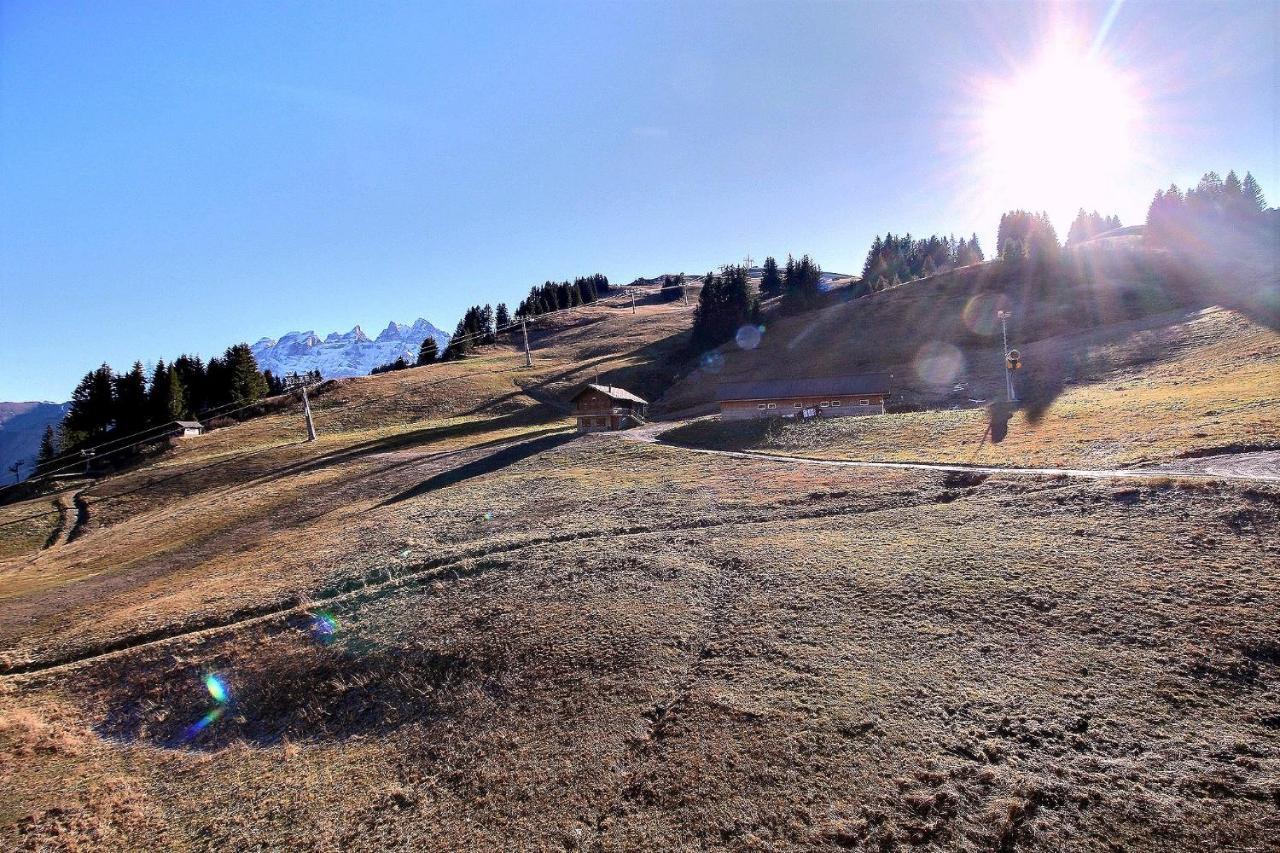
(826, 397)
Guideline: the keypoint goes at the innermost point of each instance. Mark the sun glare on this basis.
(1060, 134)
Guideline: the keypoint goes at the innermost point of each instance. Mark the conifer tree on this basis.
(771, 280)
(1254, 201)
(245, 382)
(501, 317)
(430, 350)
(802, 286)
(48, 449)
(131, 400)
(92, 407)
(725, 305)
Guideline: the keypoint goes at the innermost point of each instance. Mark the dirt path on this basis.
(1261, 467)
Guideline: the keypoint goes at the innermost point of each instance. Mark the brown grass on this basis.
(543, 640)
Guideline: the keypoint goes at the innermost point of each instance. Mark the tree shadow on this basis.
(485, 465)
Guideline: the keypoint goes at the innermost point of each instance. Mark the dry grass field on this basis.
(452, 623)
(606, 645)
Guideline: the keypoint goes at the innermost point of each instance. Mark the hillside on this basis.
(452, 622)
(21, 427)
(1133, 364)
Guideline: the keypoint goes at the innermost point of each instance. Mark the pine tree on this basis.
(245, 382)
(802, 287)
(176, 407)
(131, 400)
(724, 305)
(1254, 201)
(501, 317)
(158, 395)
(430, 350)
(771, 280)
(92, 409)
(48, 450)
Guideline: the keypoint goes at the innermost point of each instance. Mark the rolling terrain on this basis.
(452, 622)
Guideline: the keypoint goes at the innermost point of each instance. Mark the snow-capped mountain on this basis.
(344, 354)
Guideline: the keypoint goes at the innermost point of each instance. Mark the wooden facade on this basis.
(832, 397)
(599, 408)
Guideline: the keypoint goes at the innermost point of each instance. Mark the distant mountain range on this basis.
(21, 426)
(344, 354)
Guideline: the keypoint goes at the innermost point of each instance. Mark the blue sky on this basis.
(180, 176)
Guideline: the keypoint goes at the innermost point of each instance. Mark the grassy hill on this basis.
(453, 623)
(1126, 361)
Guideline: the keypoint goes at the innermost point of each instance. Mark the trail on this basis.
(1227, 466)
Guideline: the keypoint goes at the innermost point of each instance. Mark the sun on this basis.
(1060, 134)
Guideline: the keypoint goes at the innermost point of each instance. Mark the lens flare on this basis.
(713, 362)
(203, 723)
(217, 688)
(748, 337)
(324, 627)
(938, 363)
(981, 313)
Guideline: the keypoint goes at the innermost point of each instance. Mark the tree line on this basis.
(1214, 203)
(106, 403)
(895, 259)
(1086, 226)
(728, 302)
(556, 295)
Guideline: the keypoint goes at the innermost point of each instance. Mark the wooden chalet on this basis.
(826, 397)
(607, 407)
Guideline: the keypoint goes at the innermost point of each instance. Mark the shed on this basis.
(827, 397)
(607, 407)
(185, 429)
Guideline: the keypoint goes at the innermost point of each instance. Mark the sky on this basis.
(177, 177)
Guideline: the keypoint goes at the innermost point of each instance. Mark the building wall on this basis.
(604, 421)
(848, 406)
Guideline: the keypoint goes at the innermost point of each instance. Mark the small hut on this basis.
(186, 429)
(607, 407)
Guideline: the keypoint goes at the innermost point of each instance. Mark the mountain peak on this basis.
(344, 354)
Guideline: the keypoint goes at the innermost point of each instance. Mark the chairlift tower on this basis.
(293, 381)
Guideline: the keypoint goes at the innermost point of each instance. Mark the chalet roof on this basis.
(190, 424)
(765, 389)
(613, 392)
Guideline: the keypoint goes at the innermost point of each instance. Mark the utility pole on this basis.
(524, 329)
(632, 288)
(684, 293)
(1004, 336)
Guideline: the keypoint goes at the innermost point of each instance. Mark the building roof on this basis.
(190, 424)
(613, 392)
(767, 389)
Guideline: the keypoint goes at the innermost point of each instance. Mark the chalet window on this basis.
(773, 405)
(602, 422)
(864, 402)
(826, 403)
(797, 405)
(835, 402)
(760, 405)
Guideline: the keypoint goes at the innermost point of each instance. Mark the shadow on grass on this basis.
(292, 691)
(485, 465)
